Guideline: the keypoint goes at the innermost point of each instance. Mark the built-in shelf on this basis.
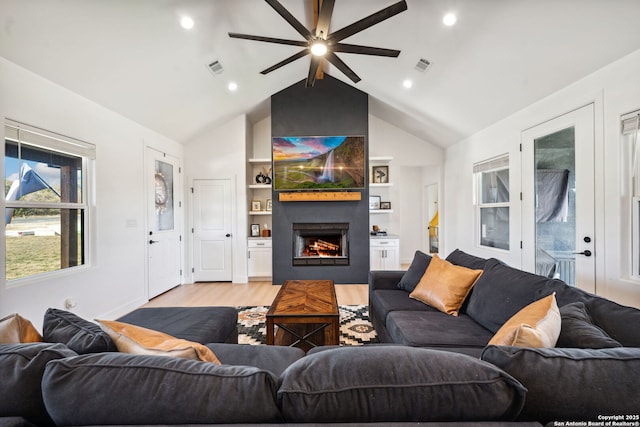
(380, 159)
(260, 186)
(259, 212)
(260, 160)
(380, 211)
(376, 184)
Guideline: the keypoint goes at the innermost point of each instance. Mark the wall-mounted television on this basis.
(319, 163)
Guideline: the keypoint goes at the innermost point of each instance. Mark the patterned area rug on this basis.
(355, 327)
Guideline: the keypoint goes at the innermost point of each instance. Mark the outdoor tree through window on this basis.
(45, 201)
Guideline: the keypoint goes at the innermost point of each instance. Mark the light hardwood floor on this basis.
(236, 294)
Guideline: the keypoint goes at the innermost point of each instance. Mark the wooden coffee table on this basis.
(306, 313)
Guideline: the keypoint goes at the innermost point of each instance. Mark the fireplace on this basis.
(320, 244)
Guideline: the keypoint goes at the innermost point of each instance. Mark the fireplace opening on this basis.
(320, 244)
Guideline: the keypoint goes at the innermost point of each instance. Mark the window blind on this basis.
(501, 162)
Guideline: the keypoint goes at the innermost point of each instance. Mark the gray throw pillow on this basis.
(80, 335)
(416, 270)
(579, 331)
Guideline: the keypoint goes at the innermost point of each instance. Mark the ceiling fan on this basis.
(322, 44)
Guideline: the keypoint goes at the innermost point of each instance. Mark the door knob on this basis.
(228, 235)
(151, 242)
(585, 253)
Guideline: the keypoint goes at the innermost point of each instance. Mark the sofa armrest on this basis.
(384, 279)
(570, 383)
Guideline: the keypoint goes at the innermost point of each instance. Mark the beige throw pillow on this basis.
(138, 340)
(445, 286)
(536, 325)
(15, 329)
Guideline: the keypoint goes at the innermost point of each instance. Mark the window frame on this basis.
(494, 164)
(56, 143)
(630, 140)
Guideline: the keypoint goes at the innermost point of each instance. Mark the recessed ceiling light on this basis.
(186, 22)
(407, 84)
(450, 19)
(232, 86)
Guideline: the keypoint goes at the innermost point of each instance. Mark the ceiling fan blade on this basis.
(324, 18)
(290, 59)
(313, 68)
(369, 21)
(304, 32)
(268, 39)
(337, 62)
(364, 50)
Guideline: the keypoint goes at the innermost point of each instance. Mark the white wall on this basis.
(115, 282)
(220, 153)
(415, 163)
(614, 91)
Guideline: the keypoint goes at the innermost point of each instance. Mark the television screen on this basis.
(319, 162)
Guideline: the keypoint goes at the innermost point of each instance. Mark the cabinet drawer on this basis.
(384, 242)
(259, 243)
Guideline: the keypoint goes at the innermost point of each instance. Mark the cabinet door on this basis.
(259, 262)
(391, 258)
(375, 258)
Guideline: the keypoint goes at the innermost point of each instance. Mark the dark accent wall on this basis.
(329, 108)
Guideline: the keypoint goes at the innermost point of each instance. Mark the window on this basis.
(46, 209)
(631, 157)
(492, 202)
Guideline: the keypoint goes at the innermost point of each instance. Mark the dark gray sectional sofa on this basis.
(77, 378)
(594, 369)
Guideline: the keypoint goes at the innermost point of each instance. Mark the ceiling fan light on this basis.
(318, 48)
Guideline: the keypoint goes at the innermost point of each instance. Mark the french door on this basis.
(558, 223)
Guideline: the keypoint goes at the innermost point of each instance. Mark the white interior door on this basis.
(163, 237)
(558, 224)
(212, 226)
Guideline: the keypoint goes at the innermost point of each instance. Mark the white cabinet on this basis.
(384, 253)
(259, 262)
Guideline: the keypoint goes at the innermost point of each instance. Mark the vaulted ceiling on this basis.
(133, 57)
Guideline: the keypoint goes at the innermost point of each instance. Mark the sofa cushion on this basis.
(445, 286)
(536, 325)
(15, 329)
(200, 324)
(385, 301)
(500, 293)
(118, 388)
(578, 330)
(272, 358)
(464, 259)
(434, 329)
(80, 335)
(138, 340)
(21, 370)
(394, 383)
(572, 384)
(415, 272)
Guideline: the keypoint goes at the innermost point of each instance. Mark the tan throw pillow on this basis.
(15, 329)
(445, 286)
(536, 325)
(138, 340)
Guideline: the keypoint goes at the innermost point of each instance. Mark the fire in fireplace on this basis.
(320, 244)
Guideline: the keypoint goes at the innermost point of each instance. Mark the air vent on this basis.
(216, 68)
(423, 65)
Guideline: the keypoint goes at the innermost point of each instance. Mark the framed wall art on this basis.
(380, 174)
